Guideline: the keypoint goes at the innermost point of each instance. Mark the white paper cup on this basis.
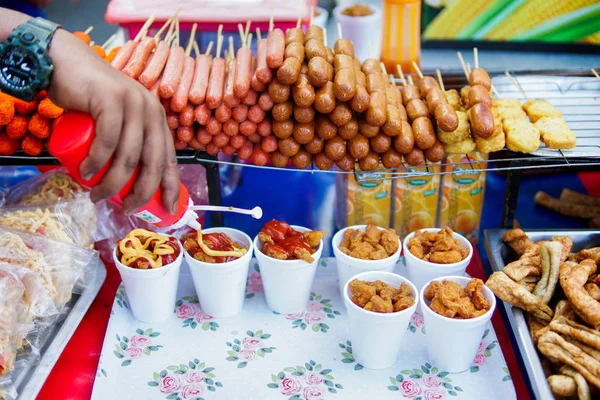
(452, 343)
(361, 30)
(287, 283)
(152, 293)
(321, 19)
(420, 272)
(348, 266)
(377, 337)
(221, 287)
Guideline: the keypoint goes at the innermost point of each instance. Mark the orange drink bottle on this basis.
(401, 42)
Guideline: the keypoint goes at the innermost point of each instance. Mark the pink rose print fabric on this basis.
(416, 323)
(483, 353)
(251, 348)
(137, 346)
(186, 381)
(188, 310)
(317, 311)
(254, 283)
(308, 382)
(427, 382)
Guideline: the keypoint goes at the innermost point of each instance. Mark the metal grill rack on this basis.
(575, 93)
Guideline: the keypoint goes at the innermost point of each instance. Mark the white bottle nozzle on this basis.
(256, 212)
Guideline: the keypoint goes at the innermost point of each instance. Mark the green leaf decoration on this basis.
(188, 320)
(172, 368)
(242, 364)
(487, 353)
(318, 367)
(393, 388)
(487, 332)
(458, 388)
(232, 353)
(179, 303)
(118, 337)
(393, 380)
(218, 384)
(250, 333)
(452, 393)
(155, 334)
(152, 383)
(434, 370)
(331, 390)
(179, 372)
(267, 349)
(308, 366)
(425, 369)
(228, 344)
(347, 355)
(328, 376)
(139, 331)
(163, 373)
(237, 341)
(119, 355)
(259, 333)
(205, 370)
(153, 348)
(281, 375)
(347, 361)
(232, 359)
(506, 378)
(358, 367)
(209, 381)
(205, 326)
(295, 397)
(342, 346)
(194, 325)
(441, 374)
(202, 365)
(274, 378)
(316, 328)
(211, 388)
(324, 326)
(297, 373)
(337, 385)
(337, 313)
(300, 369)
(474, 369)
(303, 326)
(172, 396)
(147, 351)
(288, 369)
(265, 336)
(123, 346)
(260, 353)
(428, 365)
(192, 365)
(399, 378)
(273, 385)
(126, 363)
(328, 383)
(325, 371)
(447, 386)
(408, 372)
(327, 310)
(412, 328)
(156, 376)
(183, 367)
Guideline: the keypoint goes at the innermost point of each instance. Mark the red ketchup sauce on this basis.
(286, 239)
(214, 241)
(166, 258)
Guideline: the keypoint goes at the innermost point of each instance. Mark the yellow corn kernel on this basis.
(453, 18)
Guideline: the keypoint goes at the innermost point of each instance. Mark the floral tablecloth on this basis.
(263, 355)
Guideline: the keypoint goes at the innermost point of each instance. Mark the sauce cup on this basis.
(377, 337)
(287, 283)
(151, 293)
(221, 287)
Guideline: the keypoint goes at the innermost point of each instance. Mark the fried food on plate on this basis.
(513, 293)
(451, 300)
(573, 330)
(562, 385)
(380, 297)
(556, 133)
(540, 108)
(517, 240)
(461, 133)
(463, 147)
(583, 388)
(537, 327)
(437, 247)
(521, 135)
(550, 253)
(563, 309)
(566, 207)
(372, 244)
(579, 198)
(280, 241)
(592, 254)
(553, 346)
(572, 283)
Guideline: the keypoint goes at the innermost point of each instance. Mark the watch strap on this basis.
(42, 28)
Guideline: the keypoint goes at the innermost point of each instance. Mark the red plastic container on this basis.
(70, 143)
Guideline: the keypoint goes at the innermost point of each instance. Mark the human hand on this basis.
(131, 126)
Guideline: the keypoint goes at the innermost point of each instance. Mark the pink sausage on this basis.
(180, 98)
(275, 48)
(123, 55)
(139, 58)
(200, 81)
(214, 91)
(243, 73)
(172, 73)
(263, 72)
(155, 65)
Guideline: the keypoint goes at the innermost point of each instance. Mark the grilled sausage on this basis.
(446, 117)
(288, 146)
(324, 128)
(302, 159)
(304, 133)
(323, 162)
(424, 134)
(341, 114)
(358, 147)
(283, 129)
(303, 92)
(275, 48)
(349, 130)
(278, 92)
(370, 162)
(325, 99)
(391, 159)
(335, 149)
(304, 115)
(405, 141)
(482, 120)
(283, 111)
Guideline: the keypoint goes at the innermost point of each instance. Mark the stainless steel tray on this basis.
(499, 255)
(28, 380)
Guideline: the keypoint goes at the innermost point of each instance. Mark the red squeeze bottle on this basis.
(70, 143)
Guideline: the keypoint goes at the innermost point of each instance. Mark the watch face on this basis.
(19, 67)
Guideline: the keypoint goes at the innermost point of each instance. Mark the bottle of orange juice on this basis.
(401, 42)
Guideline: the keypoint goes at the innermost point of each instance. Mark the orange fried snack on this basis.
(437, 247)
(380, 297)
(8, 146)
(32, 145)
(372, 244)
(49, 110)
(451, 300)
(39, 126)
(281, 242)
(17, 127)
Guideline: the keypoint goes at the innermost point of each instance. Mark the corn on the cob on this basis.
(454, 17)
(592, 39)
(534, 13)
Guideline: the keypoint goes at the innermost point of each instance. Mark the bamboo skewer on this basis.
(92, 43)
(108, 41)
(440, 80)
(219, 41)
(142, 33)
(208, 49)
(188, 50)
(231, 46)
(462, 62)
(271, 24)
(312, 15)
(299, 23)
(339, 30)
(249, 41)
(469, 69)
(89, 30)
(517, 84)
(196, 49)
(416, 66)
(165, 26)
(401, 74)
(595, 73)
(496, 92)
(242, 35)
(476, 57)
(258, 34)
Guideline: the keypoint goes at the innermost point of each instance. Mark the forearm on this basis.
(9, 20)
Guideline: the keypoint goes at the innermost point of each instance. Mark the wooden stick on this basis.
(177, 32)
(196, 49)
(242, 34)
(440, 80)
(462, 62)
(414, 63)
(271, 24)
(325, 36)
(258, 35)
(339, 30)
(89, 29)
(249, 41)
(516, 84)
(496, 92)
(108, 41)
(208, 49)
(595, 73)
(188, 50)
(142, 33)
(476, 57)
(299, 23)
(170, 35)
(92, 43)
(247, 31)
(383, 69)
(219, 40)
(410, 80)
(165, 26)
(469, 68)
(231, 47)
(312, 15)
(400, 73)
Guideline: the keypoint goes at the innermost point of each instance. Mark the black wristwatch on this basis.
(25, 67)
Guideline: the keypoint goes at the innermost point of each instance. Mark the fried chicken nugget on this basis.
(265, 238)
(513, 293)
(314, 237)
(562, 385)
(389, 241)
(473, 289)
(303, 254)
(378, 253)
(372, 235)
(361, 292)
(377, 304)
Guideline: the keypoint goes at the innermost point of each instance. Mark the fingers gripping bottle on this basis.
(70, 143)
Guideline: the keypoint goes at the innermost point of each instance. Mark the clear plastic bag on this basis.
(73, 221)
(60, 265)
(45, 189)
(11, 329)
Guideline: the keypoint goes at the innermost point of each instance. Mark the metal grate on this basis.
(575, 93)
